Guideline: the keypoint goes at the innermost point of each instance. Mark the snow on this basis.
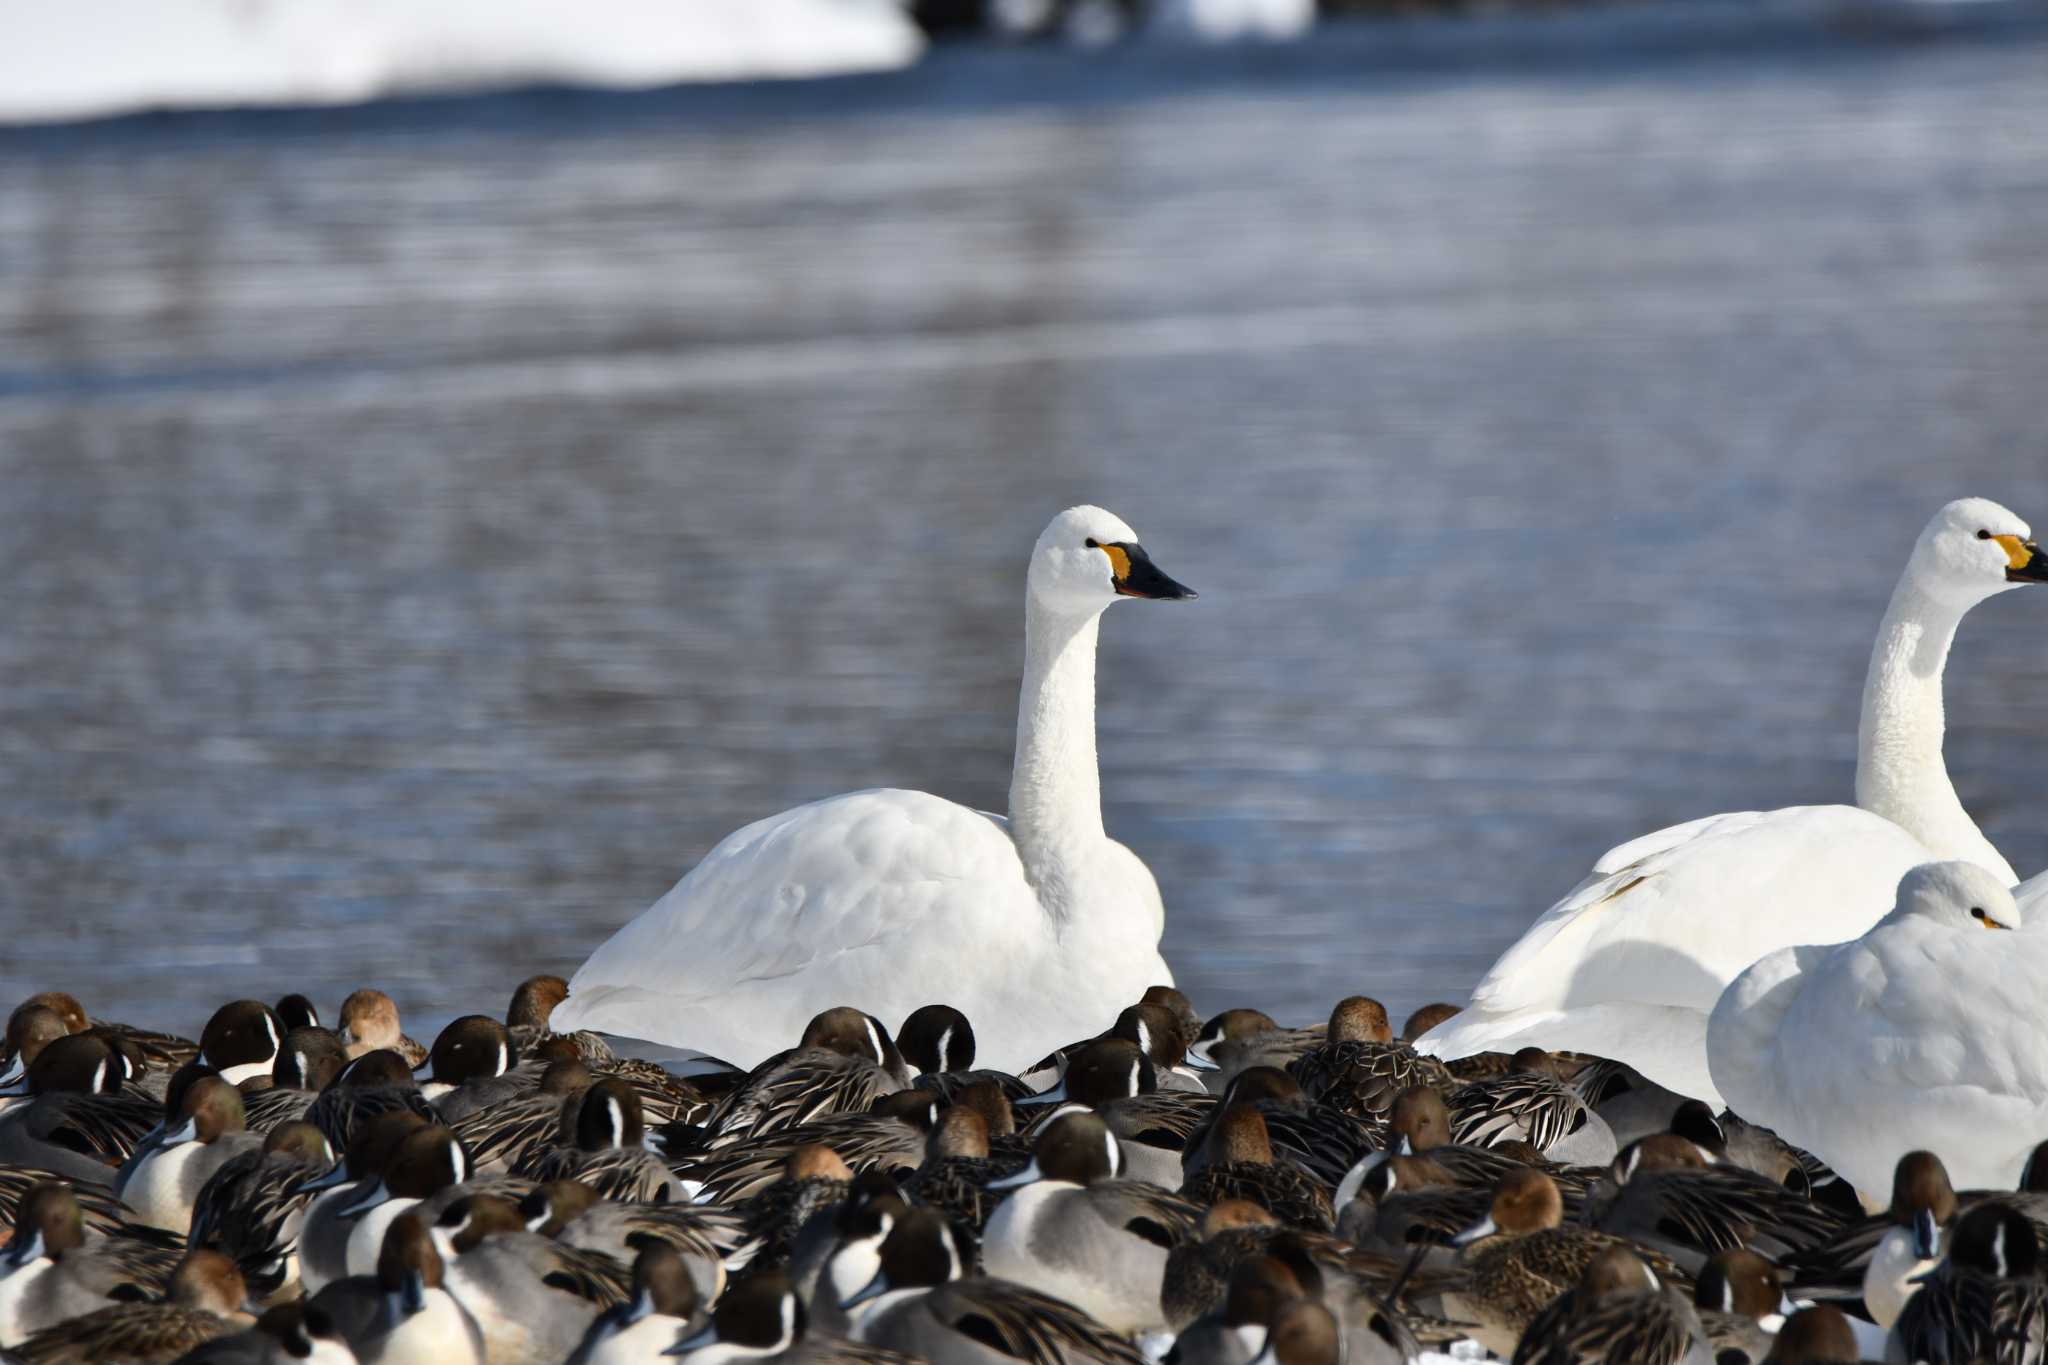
(81, 58)
(1234, 20)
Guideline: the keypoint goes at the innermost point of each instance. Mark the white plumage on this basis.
(1926, 1032)
(1631, 961)
(1040, 927)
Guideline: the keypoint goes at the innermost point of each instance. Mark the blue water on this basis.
(429, 528)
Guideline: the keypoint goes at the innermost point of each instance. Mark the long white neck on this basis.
(1899, 769)
(1055, 791)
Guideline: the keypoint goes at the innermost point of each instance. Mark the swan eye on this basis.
(1976, 912)
(1983, 534)
(1094, 544)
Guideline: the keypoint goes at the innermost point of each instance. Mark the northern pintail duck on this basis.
(1323, 1141)
(76, 1120)
(162, 1180)
(204, 1303)
(1531, 1104)
(372, 1084)
(958, 1170)
(512, 1135)
(1304, 1332)
(1664, 1193)
(254, 1207)
(1241, 1165)
(1521, 1256)
(472, 1063)
(1618, 1313)
(532, 1009)
(610, 1152)
(1425, 1019)
(1072, 1229)
(1741, 1301)
(307, 1062)
(288, 1334)
(163, 1051)
(30, 1029)
(241, 1040)
(1117, 1079)
(702, 1236)
(324, 1234)
(1986, 1301)
(760, 1319)
(1359, 1068)
(50, 1270)
(412, 1319)
(1820, 1335)
(533, 1298)
(844, 1062)
(1240, 1038)
(296, 1011)
(838, 1252)
(369, 1022)
(890, 1136)
(1257, 1287)
(104, 1215)
(920, 1304)
(814, 1179)
(425, 1162)
(664, 1304)
(938, 1045)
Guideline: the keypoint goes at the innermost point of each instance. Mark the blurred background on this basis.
(434, 518)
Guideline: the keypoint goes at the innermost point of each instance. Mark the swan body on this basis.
(1038, 923)
(1924, 1033)
(1630, 962)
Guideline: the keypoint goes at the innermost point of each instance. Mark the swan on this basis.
(1629, 964)
(1040, 926)
(1925, 1033)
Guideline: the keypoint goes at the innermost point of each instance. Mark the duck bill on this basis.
(413, 1296)
(25, 1246)
(1142, 578)
(14, 1081)
(363, 1203)
(1027, 1176)
(874, 1289)
(336, 1175)
(1200, 1061)
(1053, 1096)
(696, 1342)
(1926, 1235)
(1484, 1228)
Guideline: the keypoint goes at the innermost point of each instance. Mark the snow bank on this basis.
(81, 58)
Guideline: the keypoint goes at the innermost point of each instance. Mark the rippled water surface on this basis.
(428, 529)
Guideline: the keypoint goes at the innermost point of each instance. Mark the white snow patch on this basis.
(1233, 20)
(81, 58)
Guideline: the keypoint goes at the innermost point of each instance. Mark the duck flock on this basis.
(885, 1079)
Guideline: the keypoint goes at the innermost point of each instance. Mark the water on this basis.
(428, 529)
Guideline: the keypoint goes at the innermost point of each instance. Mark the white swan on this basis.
(1926, 1032)
(1040, 927)
(1628, 965)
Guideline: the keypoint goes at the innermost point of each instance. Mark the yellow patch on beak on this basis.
(1120, 562)
(2018, 554)
(1990, 923)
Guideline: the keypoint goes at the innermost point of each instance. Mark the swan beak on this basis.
(2024, 561)
(1135, 575)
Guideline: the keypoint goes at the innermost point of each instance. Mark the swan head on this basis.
(1088, 558)
(1974, 548)
(1960, 895)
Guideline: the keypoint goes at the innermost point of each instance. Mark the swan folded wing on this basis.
(782, 894)
(1696, 903)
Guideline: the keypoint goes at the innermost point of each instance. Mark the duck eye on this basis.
(1092, 543)
(1983, 534)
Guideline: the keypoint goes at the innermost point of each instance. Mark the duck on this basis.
(958, 1169)
(1236, 1331)
(241, 1040)
(1359, 1069)
(1830, 1046)
(471, 1065)
(296, 1011)
(1040, 924)
(1618, 1312)
(204, 1303)
(1116, 1079)
(529, 1018)
(761, 1320)
(426, 1161)
(307, 1062)
(1631, 961)
(30, 1029)
(1819, 1335)
(890, 1136)
(1241, 1165)
(51, 1270)
(414, 1320)
(254, 1206)
(329, 1218)
(701, 1235)
(533, 1298)
(162, 1180)
(665, 1301)
(1070, 1228)
(369, 1023)
(286, 1334)
(1304, 1332)
(1521, 1255)
(920, 1304)
(1985, 1301)
(843, 1062)
(77, 1120)
(1664, 1193)
(513, 1133)
(1531, 1104)
(1323, 1141)
(609, 1152)
(371, 1084)
(1741, 1301)
(1239, 1038)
